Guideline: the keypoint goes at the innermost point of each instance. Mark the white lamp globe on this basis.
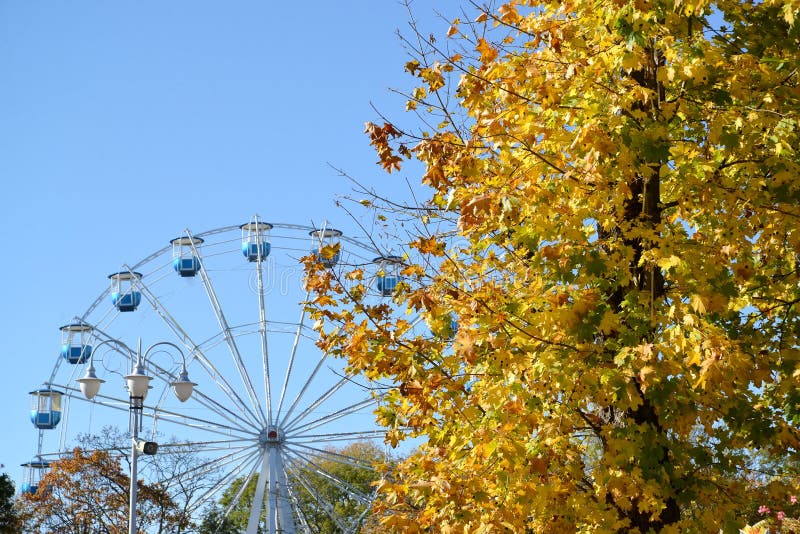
(183, 387)
(90, 384)
(138, 382)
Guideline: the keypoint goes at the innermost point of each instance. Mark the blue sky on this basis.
(123, 123)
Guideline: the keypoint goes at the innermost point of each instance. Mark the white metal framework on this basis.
(268, 406)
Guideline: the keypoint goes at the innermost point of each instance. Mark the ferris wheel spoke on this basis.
(168, 377)
(219, 338)
(373, 251)
(298, 475)
(344, 412)
(209, 467)
(262, 323)
(253, 465)
(250, 463)
(149, 411)
(360, 519)
(108, 318)
(208, 446)
(203, 399)
(234, 456)
(225, 387)
(352, 461)
(64, 432)
(303, 390)
(191, 346)
(207, 366)
(340, 483)
(314, 405)
(198, 424)
(337, 436)
(292, 354)
(189, 421)
(290, 489)
(229, 338)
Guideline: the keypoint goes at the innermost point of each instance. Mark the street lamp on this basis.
(138, 383)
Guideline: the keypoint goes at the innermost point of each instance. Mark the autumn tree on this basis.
(87, 493)
(184, 474)
(607, 261)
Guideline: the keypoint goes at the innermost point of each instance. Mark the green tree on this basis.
(230, 514)
(214, 521)
(612, 221)
(9, 518)
(331, 494)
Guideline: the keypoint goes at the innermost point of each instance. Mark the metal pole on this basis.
(272, 508)
(135, 403)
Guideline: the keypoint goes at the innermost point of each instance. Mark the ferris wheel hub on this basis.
(271, 435)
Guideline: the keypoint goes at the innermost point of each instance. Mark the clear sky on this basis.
(122, 123)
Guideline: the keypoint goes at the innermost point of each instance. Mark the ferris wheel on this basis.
(256, 399)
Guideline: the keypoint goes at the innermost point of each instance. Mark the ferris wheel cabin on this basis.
(123, 291)
(388, 274)
(325, 246)
(75, 347)
(32, 474)
(184, 260)
(255, 240)
(45, 408)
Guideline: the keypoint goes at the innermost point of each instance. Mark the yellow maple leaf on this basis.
(488, 52)
(697, 303)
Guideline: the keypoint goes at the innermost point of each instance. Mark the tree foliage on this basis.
(87, 493)
(355, 470)
(214, 521)
(9, 518)
(613, 226)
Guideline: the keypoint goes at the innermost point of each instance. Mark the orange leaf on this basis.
(488, 52)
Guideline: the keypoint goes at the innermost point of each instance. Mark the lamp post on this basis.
(138, 383)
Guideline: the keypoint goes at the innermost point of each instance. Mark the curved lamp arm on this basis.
(90, 383)
(182, 387)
